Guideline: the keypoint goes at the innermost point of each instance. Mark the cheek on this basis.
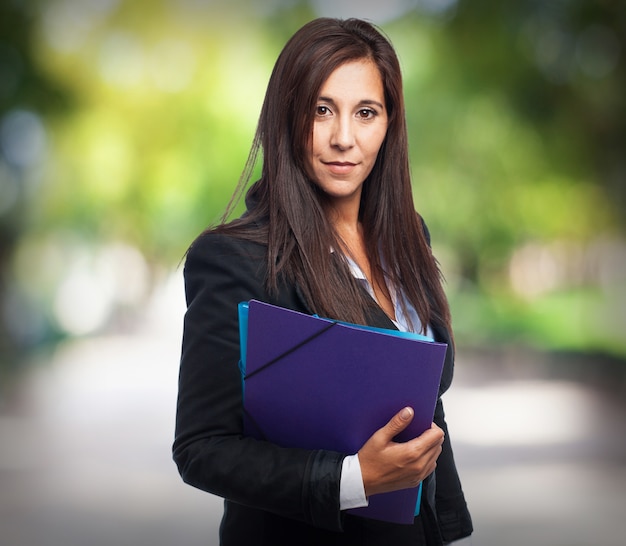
(377, 143)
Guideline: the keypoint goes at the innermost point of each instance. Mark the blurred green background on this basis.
(124, 127)
(125, 124)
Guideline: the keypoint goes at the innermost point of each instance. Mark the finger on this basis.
(438, 433)
(398, 422)
(435, 426)
(429, 439)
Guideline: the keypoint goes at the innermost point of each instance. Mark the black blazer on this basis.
(275, 495)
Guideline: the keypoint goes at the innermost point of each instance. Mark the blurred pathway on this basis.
(85, 449)
(543, 460)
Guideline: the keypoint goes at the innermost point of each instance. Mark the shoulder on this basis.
(221, 265)
(215, 255)
(214, 244)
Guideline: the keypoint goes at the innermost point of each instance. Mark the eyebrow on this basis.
(364, 102)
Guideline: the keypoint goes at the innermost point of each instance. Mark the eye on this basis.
(322, 110)
(366, 113)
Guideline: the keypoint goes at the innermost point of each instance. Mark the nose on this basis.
(343, 133)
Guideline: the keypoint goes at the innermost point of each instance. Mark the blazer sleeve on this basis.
(453, 516)
(452, 513)
(209, 447)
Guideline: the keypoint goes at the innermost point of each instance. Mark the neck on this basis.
(345, 219)
(350, 231)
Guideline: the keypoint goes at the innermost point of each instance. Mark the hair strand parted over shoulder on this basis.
(285, 209)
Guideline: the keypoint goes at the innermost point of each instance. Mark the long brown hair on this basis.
(285, 209)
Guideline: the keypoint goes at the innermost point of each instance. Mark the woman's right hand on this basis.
(389, 466)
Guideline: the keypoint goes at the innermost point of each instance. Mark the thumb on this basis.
(399, 422)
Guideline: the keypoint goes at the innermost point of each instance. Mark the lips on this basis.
(340, 167)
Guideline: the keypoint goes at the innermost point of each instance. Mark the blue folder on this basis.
(316, 383)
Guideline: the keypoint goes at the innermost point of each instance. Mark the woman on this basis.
(330, 229)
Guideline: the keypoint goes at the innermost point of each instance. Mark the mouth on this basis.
(340, 163)
(340, 168)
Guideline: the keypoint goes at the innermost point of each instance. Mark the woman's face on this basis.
(348, 130)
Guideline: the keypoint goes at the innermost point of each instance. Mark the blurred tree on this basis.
(165, 112)
(560, 65)
(515, 111)
(524, 122)
(26, 93)
(517, 118)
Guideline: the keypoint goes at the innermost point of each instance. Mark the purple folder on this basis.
(315, 383)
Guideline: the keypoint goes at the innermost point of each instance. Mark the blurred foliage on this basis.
(24, 87)
(517, 115)
(147, 110)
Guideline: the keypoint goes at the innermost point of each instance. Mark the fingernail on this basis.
(406, 413)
